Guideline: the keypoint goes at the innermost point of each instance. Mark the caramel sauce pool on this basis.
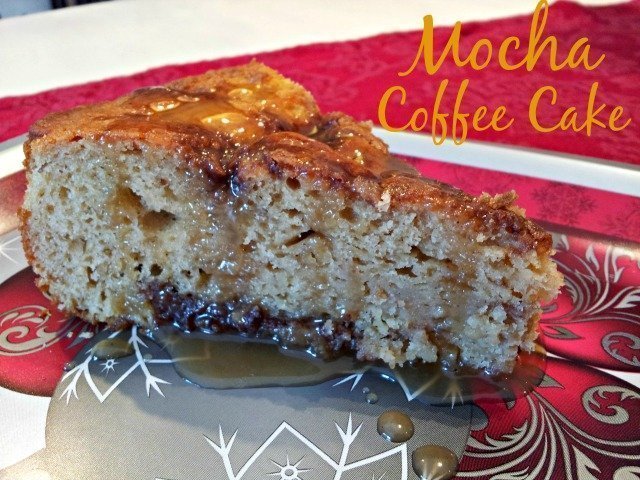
(232, 361)
(227, 361)
(112, 348)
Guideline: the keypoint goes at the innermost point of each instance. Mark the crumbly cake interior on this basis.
(125, 230)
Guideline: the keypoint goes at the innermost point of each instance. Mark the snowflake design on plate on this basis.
(290, 471)
(83, 370)
(11, 249)
(109, 365)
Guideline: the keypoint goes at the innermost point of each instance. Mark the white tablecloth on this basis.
(80, 44)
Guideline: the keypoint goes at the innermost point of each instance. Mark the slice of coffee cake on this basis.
(228, 202)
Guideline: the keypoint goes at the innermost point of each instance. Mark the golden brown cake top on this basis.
(239, 120)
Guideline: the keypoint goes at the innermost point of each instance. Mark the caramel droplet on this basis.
(222, 120)
(434, 462)
(240, 93)
(164, 105)
(395, 426)
(234, 124)
(358, 157)
(188, 98)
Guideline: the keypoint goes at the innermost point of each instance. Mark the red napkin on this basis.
(352, 76)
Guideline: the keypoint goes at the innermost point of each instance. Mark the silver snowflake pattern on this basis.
(11, 245)
(83, 371)
(348, 435)
(355, 378)
(452, 394)
(289, 471)
(108, 366)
